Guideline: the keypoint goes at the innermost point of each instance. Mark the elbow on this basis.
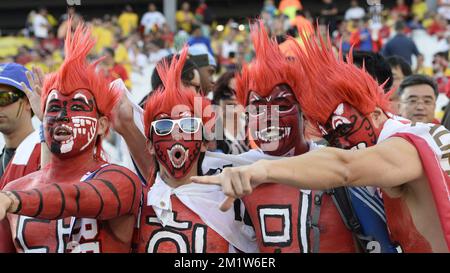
(343, 170)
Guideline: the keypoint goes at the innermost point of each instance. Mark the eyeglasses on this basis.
(414, 102)
(164, 127)
(9, 97)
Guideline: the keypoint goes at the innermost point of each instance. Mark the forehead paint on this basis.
(347, 128)
(338, 118)
(79, 95)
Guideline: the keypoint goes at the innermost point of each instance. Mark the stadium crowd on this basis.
(404, 48)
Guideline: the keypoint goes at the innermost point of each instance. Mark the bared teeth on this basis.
(273, 133)
(176, 162)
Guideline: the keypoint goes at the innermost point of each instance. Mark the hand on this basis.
(122, 113)
(34, 95)
(236, 182)
(5, 204)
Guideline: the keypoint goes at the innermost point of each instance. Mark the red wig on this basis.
(269, 68)
(172, 93)
(76, 73)
(329, 81)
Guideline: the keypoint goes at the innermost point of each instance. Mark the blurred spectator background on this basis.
(137, 34)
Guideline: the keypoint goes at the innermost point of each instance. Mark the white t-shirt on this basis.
(228, 47)
(354, 13)
(152, 18)
(40, 24)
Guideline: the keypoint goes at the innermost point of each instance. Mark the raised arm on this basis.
(127, 122)
(389, 164)
(113, 192)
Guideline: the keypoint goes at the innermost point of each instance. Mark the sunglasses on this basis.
(164, 127)
(9, 97)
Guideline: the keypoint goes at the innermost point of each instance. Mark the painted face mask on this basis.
(275, 122)
(177, 142)
(70, 122)
(347, 128)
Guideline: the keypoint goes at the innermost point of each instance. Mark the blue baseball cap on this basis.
(13, 74)
(201, 56)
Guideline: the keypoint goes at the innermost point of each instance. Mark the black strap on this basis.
(341, 199)
(314, 223)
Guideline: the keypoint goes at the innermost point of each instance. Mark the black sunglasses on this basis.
(10, 97)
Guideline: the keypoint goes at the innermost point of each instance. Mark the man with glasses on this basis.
(177, 215)
(418, 95)
(16, 126)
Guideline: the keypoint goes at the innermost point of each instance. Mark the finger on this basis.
(236, 183)
(30, 78)
(227, 204)
(39, 75)
(214, 180)
(40, 79)
(25, 89)
(245, 183)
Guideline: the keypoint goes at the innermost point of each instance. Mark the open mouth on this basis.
(178, 155)
(62, 133)
(273, 133)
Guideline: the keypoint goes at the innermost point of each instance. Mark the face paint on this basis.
(177, 151)
(347, 128)
(275, 122)
(70, 122)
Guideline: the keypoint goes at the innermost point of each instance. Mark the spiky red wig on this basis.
(173, 93)
(329, 81)
(269, 68)
(76, 73)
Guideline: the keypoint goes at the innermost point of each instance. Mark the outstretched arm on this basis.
(113, 192)
(389, 164)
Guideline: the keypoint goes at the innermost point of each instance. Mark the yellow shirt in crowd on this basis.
(104, 38)
(128, 21)
(419, 9)
(184, 21)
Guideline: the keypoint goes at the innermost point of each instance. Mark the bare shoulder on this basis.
(25, 182)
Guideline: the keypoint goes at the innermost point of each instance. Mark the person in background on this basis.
(128, 21)
(16, 126)
(230, 126)
(113, 70)
(354, 12)
(418, 94)
(41, 26)
(329, 12)
(185, 18)
(400, 69)
(207, 67)
(152, 18)
(401, 45)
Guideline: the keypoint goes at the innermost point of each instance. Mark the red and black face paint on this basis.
(275, 121)
(70, 122)
(347, 128)
(180, 148)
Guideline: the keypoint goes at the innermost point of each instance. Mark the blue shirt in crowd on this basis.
(402, 46)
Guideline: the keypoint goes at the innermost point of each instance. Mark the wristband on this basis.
(41, 133)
